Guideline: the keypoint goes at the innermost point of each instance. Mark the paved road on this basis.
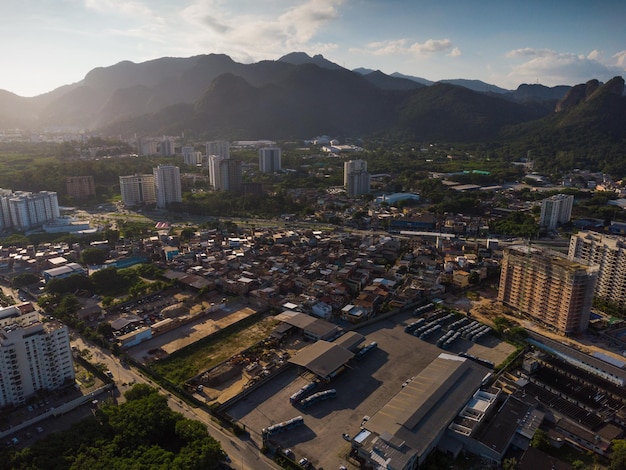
(245, 453)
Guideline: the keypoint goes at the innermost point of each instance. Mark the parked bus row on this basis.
(361, 353)
(284, 426)
(303, 392)
(319, 396)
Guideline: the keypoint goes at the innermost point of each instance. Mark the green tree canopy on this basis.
(93, 256)
(143, 434)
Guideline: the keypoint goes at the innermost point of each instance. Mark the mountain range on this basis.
(296, 96)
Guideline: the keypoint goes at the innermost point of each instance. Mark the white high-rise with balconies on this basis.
(137, 190)
(224, 173)
(556, 210)
(167, 185)
(608, 252)
(33, 356)
(22, 210)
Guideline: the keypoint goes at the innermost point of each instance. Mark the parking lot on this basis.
(362, 390)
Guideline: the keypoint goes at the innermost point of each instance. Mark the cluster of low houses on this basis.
(328, 274)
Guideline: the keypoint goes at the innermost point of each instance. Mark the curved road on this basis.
(244, 453)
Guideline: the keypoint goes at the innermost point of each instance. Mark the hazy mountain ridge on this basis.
(299, 95)
(584, 133)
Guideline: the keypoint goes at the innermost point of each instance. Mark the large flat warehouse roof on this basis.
(322, 358)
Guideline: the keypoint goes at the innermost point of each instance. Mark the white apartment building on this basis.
(167, 185)
(224, 173)
(269, 159)
(137, 190)
(609, 253)
(23, 210)
(33, 357)
(356, 179)
(556, 210)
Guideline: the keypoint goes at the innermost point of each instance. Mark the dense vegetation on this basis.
(143, 434)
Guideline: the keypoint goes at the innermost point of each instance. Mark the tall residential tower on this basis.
(167, 185)
(556, 210)
(224, 173)
(548, 287)
(269, 160)
(33, 356)
(608, 252)
(356, 179)
(137, 190)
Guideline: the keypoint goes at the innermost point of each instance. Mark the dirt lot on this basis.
(361, 390)
(485, 308)
(189, 333)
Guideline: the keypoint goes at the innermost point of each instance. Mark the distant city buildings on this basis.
(225, 173)
(137, 190)
(34, 356)
(608, 252)
(556, 210)
(356, 179)
(191, 156)
(221, 148)
(80, 187)
(269, 159)
(167, 185)
(548, 287)
(162, 187)
(166, 148)
(22, 210)
(147, 146)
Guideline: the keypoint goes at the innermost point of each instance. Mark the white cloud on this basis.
(620, 59)
(247, 32)
(562, 68)
(595, 55)
(529, 52)
(401, 47)
(118, 7)
(430, 46)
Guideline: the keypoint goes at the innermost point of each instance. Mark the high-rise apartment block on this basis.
(556, 210)
(221, 148)
(33, 356)
(224, 173)
(269, 160)
(137, 190)
(356, 179)
(147, 146)
(80, 187)
(191, 156)
(167, 148)
(22, 210)
(608, 252)
(548, 287)
(167, 185)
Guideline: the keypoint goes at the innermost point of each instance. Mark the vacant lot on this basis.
(182, 368)
(361, 390)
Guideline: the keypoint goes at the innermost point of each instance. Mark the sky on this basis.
(45, 44)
